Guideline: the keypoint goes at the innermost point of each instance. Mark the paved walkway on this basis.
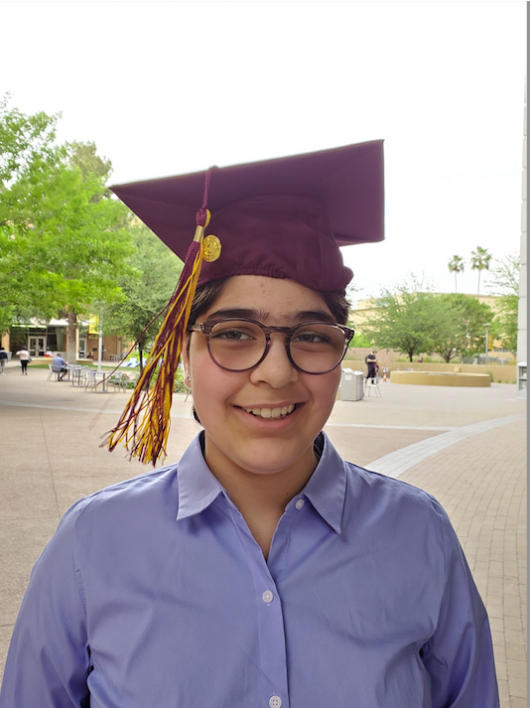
(465, 446)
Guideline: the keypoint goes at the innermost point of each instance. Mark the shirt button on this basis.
(275, 702)
(300, 503)
(268, 598)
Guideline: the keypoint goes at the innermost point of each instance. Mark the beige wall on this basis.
(503, 373)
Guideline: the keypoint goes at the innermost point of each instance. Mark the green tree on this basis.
(504, 283)
(63, 237)
(456, 266)
(84, 156)
(480, 260)
(361, 340)
(66, 237)
(25, 284)
(147, 288)
(466, 333)
(22, 138)
(410, 319)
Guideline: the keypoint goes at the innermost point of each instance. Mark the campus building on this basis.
(40, 338)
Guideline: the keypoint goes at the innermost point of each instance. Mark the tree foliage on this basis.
(22, 138)
(154, 272)
(410, 319)
(456, 266)
(84, 156)
(465, 336)
(504, 283)
(413, 320)
(63, 239)
(480, 260)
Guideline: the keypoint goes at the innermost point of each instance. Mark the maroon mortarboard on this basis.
(283, 218)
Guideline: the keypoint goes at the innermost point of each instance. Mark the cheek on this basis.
(329, 385)
(323, 388)
(210, 384)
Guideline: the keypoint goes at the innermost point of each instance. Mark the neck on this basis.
(261, 497)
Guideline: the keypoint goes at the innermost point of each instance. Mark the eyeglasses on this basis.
(240, 345)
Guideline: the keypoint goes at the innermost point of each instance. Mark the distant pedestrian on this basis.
(3, 359)
(371, 363)
(25, 358)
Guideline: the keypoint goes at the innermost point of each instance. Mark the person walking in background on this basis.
(3, 359)
(371, 363)
(25, 358)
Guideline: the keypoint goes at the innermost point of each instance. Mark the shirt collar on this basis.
(198, 487)
(326, 489)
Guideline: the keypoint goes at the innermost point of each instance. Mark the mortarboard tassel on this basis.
(144, 425)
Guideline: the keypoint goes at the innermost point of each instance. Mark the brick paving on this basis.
(51, 457)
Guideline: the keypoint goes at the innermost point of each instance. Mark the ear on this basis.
(185, 354)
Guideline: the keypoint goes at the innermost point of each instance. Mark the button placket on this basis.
(272, 642)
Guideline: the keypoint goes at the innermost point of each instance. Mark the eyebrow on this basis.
(262, 315)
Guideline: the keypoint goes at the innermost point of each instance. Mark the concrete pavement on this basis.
(465, 446)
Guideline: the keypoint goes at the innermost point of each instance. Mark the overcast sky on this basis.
(172, 87)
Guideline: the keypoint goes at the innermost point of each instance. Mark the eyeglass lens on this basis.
(314, 348)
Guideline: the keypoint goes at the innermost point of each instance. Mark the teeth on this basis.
(271, 412)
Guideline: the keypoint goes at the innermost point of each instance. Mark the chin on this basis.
(265, 456)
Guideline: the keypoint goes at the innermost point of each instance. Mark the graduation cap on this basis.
(282, 218)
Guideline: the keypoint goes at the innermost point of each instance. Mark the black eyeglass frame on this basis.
(206, 329)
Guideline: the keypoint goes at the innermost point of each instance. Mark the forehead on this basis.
(277, 298)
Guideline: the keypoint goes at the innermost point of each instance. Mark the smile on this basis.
(271, 412)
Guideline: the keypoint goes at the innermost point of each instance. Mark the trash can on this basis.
(352, 385)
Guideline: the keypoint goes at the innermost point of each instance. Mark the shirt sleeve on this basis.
(48, 660)
(459, 655)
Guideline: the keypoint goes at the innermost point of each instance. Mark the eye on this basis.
(308, 336)
(231, 333)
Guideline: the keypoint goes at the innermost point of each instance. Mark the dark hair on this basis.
(206, 295)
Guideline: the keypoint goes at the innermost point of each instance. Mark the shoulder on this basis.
(393, 491)
(396, 504)
(121, 508)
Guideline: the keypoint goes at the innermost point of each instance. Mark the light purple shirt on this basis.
(154, 594)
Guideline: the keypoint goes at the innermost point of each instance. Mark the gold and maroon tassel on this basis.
(144, 425)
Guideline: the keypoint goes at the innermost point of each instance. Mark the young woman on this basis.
(262, 569)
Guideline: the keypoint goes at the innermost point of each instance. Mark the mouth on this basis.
(272, 413)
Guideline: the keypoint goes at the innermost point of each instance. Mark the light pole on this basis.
(486, 343)
(100, 341)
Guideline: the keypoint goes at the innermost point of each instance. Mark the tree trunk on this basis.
(141, 353)
(71, 353)
(411, 354)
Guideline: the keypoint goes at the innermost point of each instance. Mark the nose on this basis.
(276, 369)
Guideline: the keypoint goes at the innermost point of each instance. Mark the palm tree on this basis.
(480, 260)
(456, 265)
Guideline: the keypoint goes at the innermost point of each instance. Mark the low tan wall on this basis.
(500, 373)
(439, 378)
